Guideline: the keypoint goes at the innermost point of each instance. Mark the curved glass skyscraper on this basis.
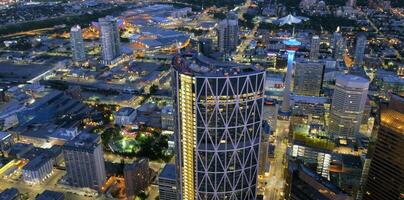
(218, 129)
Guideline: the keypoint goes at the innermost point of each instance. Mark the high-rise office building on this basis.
(308, 78)
(360, 47)
(386, 172)
(137, 177)
(339, 46)
(228, 34)
(218, 129)
(77, 44)
(168, 183)
(348, 104)
(315, 47)
(110, 40)
(84, 161)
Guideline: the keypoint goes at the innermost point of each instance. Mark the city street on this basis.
(276, 178)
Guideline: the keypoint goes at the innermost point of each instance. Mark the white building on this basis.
(348, 104)
(125, 116)
(37, 169)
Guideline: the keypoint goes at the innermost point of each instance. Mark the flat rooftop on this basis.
(4, 135)
(50, 195)
(199, 65)
(85, 141)
(36, 163)
(9, 193)
(125, 111)
(169, 172)
(352, 81)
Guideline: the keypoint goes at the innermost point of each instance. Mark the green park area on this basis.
(301, 134)
(144, 143)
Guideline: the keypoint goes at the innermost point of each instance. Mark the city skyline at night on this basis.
(201, 100)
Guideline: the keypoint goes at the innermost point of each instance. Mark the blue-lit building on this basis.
(50, 195)
(168, 183)
(37, 169)
(10, 194)
(6, 141)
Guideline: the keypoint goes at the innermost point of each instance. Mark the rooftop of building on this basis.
(4, 135)
(321, 180)
(9, 193)
(169, 172)
(125, 111)
(137, 164)
(352, 81)
(169, 109)
(19, 148)
(36, 163)
(351, 161)
(75, 28)
(392, 119)
(50, 195)
(199, 65)
(85, 141)
(310, 99)
(266, 128)
(107, 18)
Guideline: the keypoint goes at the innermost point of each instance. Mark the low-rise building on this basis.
(10, 194)
(125, 116)
(50, 195)
(37, 169)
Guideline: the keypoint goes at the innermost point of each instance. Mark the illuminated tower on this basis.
(291, 46)
(218, 124)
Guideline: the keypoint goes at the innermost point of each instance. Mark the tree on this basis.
(111, 134)
(153, 89)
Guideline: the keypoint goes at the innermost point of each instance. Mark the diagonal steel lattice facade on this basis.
(218, 130)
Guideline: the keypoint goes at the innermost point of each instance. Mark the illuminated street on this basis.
(276, 177)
